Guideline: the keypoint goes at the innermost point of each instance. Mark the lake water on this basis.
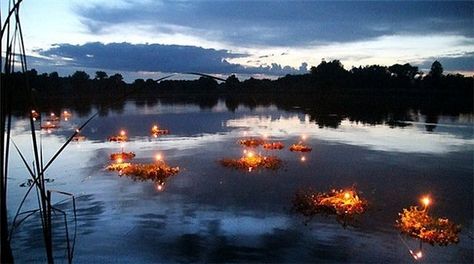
(209, 213)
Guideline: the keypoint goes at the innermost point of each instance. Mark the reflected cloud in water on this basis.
(411, 139)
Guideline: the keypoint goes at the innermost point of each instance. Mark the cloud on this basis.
(457, 62)
(155, 58)
(281, 23)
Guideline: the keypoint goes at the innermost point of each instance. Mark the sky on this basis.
(148, 38)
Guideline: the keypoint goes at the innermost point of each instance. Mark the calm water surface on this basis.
(208, 213)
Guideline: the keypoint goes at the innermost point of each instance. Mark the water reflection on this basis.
(377, 137)
(210, 213)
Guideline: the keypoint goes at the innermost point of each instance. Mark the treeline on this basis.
(328, 92)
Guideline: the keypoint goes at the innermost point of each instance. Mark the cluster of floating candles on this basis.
(273, 145)
(251, 161)
(251, 142)
(66, 115)
(52, 117)
(300, 147)
(49, 125)
(345, 204)
(417, 223)
(158, 171)
(51, 121)
(157, 131)
(255, 142)
(122, 156)
(121, 137)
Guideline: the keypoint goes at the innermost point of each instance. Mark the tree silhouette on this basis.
(80, 76)
(232, 81)
(404, 71)
(100, 75)
(330, 74)
(436, 70)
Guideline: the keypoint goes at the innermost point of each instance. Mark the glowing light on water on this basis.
(158, 157)
(347, 195)
(418, 255)
(426, 201)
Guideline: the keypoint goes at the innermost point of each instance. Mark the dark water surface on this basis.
(208, 213)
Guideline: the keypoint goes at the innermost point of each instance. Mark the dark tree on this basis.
(232, 81)
(118, 78)
(404, 71)
(436, 70)
(80, 76)
(330, 74)
(100, 75)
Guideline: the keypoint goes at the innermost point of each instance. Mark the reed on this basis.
(11, 35)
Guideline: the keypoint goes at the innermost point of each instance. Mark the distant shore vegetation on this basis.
(328, 92)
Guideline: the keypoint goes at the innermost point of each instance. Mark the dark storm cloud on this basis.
(463, 62)
(286, 22)
(155, 58)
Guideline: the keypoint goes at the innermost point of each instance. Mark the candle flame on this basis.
(159, 186)
(250, 154)
(123, 133)
(303, 158)
(119, 160)
(303, 137)
(158, 157)
(347, 195)
(52, 114)
(426, 201)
